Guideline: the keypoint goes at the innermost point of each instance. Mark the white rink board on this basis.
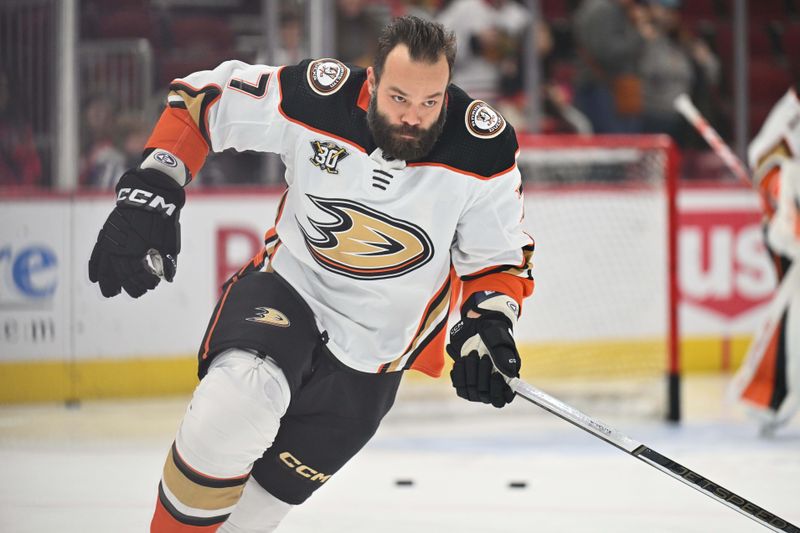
(167, 322)
(224, 230)
(35, 273)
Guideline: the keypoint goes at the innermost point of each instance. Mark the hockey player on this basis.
(769, 387)
(397, 182)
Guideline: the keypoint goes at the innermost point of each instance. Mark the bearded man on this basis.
(398, 183)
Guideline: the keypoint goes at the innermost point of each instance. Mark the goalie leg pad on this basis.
(792, 336)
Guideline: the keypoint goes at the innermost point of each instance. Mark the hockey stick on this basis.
(755, 353)
(651, 457)
(686, 108)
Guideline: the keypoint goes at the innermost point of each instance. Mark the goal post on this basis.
(604, 316)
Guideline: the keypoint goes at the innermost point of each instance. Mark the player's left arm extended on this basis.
(492, 255)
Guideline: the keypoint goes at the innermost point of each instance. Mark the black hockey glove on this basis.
(483, 350)
(144, 225)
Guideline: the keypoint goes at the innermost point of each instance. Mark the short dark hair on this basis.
(426, 41)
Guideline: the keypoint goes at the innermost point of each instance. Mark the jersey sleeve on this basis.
(491, 251)
(235, 105)
(778, 138)
(783, 228)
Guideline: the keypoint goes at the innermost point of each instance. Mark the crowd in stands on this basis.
(606, 66)
(20, 163)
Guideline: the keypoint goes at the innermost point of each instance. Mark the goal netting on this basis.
(599, 330)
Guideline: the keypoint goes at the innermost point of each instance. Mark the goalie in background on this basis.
(771, 389)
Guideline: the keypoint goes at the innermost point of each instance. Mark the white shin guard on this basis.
(232, 419)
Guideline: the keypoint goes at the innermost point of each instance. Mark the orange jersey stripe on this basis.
(429, 310)
(464, 172)
(431, 360)
(177, 133)
(514, 286)
(434, 307)
(216, 319)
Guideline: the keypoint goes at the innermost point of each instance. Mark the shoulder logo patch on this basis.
(270, 316)
(327, 155)
(483, 121)
(326, 76)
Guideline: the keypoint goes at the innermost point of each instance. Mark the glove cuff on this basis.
(490, 302)
(167, 163)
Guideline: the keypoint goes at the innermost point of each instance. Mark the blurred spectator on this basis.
(560, 116)
(424, 9)
(609, 36)
(554, 101)
(673, 62)
(101, 162)
(358, 24)
(19, 160)
(292, 46)
(489, 35)
(132, 132)
(512, 73)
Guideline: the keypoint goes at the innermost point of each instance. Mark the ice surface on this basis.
(95, 469)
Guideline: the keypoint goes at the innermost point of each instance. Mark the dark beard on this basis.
(387, 138)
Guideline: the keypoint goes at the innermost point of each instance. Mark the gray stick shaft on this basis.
(650, 456)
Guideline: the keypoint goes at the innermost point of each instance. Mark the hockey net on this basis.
(601, 327)
(600, 330)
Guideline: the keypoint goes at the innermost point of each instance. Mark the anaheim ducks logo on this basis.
(271, 317)
(363, 243)
(326, 76)
(483, 121)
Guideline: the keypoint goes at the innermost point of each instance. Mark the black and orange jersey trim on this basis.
(433, 341)
(343, 115)
(523, 269)
(515, 281)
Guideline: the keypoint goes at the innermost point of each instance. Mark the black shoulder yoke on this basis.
(326, 100)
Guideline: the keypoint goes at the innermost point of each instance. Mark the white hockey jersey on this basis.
(774, 158)
(369, 242)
